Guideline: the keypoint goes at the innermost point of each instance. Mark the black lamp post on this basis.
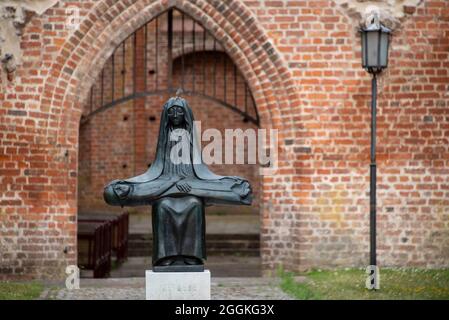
(375, 43)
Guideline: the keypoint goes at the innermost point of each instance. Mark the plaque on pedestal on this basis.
(177, 285)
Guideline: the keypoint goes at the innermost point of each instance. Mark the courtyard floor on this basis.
(134, 289)
(349, 283)
(233, 278)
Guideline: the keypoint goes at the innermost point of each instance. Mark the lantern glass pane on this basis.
(384, 42)
(372, 48)
(363, 33)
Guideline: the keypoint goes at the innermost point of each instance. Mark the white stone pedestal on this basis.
(177, 285)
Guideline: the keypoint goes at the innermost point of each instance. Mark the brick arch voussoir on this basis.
(67, 67)
(129, 32)
(264, 94)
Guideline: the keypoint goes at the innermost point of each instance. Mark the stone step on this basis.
(140, 245)
(210, 251)
(209, 236)
(219, 266)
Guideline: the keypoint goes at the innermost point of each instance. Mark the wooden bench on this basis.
(120, 231)
(94, 247)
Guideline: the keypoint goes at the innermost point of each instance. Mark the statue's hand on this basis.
(246, 189)
(183, 186)
(243, 189)
(121, 190)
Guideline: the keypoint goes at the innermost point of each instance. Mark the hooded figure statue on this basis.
(178, 185)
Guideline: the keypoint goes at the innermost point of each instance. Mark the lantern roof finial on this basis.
(372, 23)
(373, 20)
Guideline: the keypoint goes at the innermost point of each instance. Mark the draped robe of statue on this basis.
(178, 191)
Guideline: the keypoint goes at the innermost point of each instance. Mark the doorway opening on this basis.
(119, 126)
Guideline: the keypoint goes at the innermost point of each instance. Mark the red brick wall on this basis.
(321, 47)
(301, 60)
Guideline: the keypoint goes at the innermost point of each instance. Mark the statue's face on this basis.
(176, 115)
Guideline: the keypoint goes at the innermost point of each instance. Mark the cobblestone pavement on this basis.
(134, 289)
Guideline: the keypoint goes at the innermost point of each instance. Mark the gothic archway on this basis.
(83, 55)
(133, 71)
(170, 53)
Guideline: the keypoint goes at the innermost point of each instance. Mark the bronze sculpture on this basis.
(178, 188)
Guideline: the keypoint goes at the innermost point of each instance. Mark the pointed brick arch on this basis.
(107, 25)
(233, 25)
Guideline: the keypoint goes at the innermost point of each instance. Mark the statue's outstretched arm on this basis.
(228, 190)
(123, 193)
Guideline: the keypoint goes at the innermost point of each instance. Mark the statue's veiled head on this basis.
(178, 113)
(176, 116)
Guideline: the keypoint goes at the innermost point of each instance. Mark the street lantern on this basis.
(375, 45)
